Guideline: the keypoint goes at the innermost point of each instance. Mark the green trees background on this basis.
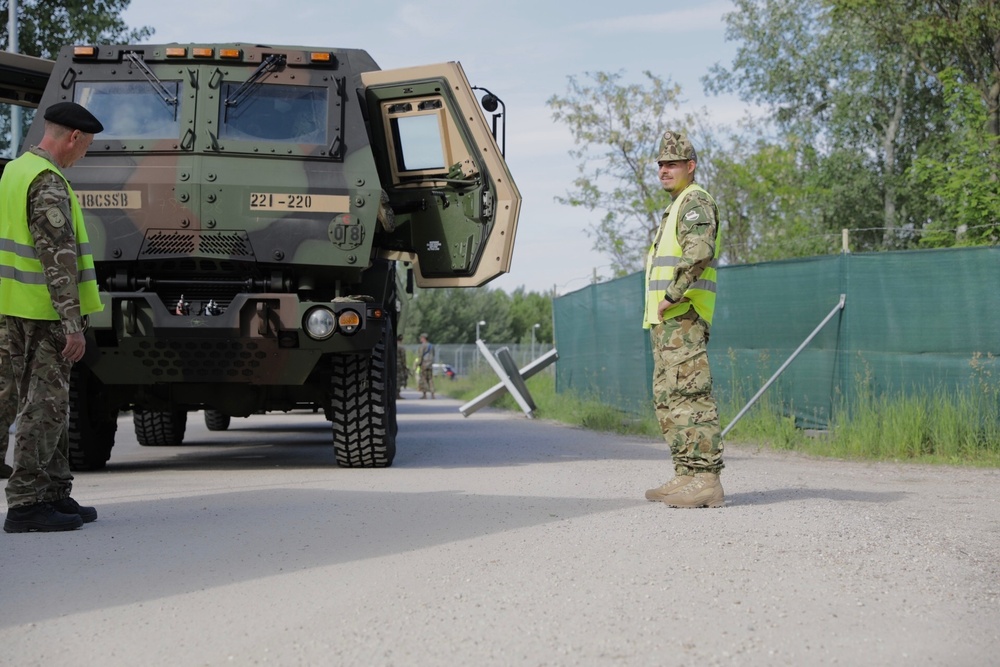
(876, 116)
(451, 315)
(45, 26)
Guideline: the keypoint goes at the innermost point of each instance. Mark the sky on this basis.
(521, 50)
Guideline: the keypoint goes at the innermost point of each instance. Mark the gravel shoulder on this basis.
(498, 540)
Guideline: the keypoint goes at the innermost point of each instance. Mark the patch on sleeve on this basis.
(692, 215)
(55, 217)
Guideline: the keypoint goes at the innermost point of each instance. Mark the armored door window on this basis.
(417, 140)
(424, 143)
(133, 109)
(274, 113)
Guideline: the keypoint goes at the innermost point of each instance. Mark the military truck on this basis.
(255, 213)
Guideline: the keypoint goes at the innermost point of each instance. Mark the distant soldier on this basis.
(679, 304)
(402, 370)
(425, 357)
(48, 286)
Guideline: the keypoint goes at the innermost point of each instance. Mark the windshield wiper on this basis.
(268, 65)
(155, 82)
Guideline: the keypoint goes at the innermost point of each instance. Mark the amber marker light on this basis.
(84, 51)
(229, 53)
(348, 321)
(176, 52)
(201, 52)
(320, 57)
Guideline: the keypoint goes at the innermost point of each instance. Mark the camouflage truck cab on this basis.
(248, 210)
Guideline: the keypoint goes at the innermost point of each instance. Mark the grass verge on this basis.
(565, 407)
(939, 427)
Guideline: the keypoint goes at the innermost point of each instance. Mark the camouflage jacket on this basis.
(697, 226)
(55, 245)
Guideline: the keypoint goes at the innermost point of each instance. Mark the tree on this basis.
(853, 105)
(958, 40)
(528, 309)
(869, 93)
(45, 26)
(449, 315)
(616, 128)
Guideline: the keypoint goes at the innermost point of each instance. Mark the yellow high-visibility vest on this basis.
(661, 263)
(23, 291)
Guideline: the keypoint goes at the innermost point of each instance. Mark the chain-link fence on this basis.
(466, 359)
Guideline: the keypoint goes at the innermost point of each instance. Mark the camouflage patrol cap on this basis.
(73, 116)
(676, 146)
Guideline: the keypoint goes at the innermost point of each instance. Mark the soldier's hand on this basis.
(76, 345)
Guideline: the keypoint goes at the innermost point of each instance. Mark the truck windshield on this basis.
(287, 114)
(131, 109)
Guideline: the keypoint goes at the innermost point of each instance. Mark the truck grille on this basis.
(160, 243)
(201, 360)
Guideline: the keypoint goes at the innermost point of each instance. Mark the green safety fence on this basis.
(913, 321)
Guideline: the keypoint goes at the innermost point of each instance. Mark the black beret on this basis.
(73, 116)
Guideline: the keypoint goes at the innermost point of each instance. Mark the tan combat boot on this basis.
(673, 486)
(704, 491)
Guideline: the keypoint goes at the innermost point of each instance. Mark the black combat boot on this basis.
(41, 517)
(69, 506)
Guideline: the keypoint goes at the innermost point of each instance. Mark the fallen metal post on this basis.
(839, 306)
(512, 380)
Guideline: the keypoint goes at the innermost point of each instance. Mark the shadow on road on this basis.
(770, 496)
(432, 434)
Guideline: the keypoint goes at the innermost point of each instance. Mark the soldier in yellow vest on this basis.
(679, 304)
(47, 288)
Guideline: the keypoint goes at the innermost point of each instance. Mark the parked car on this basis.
(445, 369)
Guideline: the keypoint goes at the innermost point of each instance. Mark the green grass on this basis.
(938, 427)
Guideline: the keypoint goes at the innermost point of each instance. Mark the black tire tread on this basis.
(156, 428)
(216, 421)
(363, 395)
(92, 424)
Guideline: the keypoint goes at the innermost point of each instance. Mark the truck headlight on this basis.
(320, 323)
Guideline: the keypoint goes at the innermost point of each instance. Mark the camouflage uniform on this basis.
(402, 370)
(41, 374)
(682, 380)
(425, 358)
(8, 398)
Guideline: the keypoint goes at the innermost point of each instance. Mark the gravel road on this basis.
(498, 540)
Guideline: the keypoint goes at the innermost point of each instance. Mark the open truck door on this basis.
(452, 195)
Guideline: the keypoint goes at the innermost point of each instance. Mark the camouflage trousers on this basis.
(41, 445)
(8, 391)
(682, 394)
(425, 381)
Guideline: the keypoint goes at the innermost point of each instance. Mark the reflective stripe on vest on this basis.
(23, 289)
(662, 259)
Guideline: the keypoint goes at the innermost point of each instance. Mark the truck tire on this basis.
(363, 405)
(216, 421)
(156, 428)
(92, 422)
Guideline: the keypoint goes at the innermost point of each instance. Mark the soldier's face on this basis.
(675, 175)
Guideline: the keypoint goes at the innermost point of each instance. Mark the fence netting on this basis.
(913, 321)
